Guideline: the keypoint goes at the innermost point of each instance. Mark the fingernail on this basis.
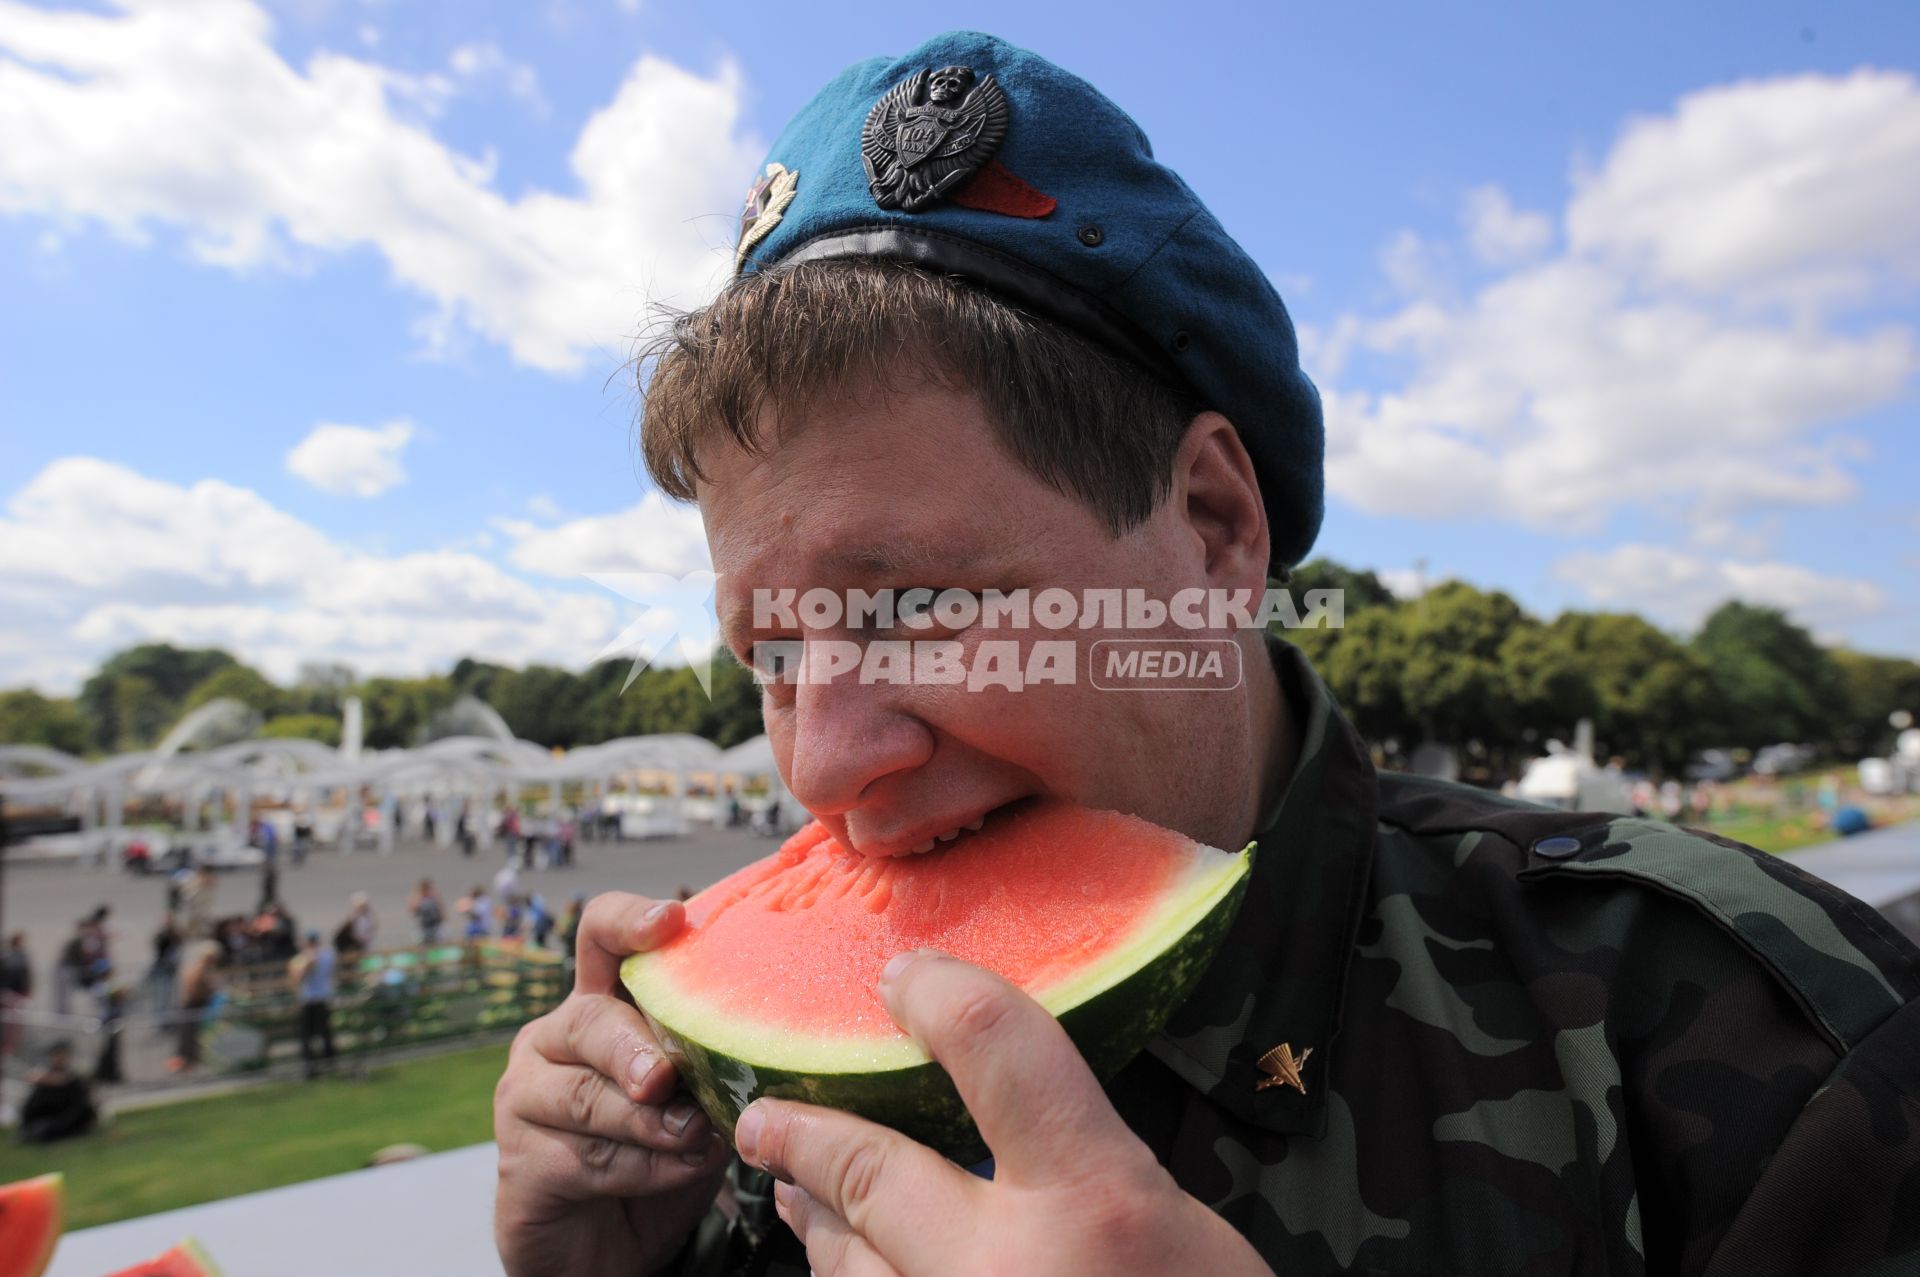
(898, 963)
(746, 1134)
(654, 914)
(640, 1068)
(698, 1156)
(676, 1118)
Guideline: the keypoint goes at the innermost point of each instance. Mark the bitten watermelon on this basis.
(184, 1260)
(1106, 920)
(30, 1214)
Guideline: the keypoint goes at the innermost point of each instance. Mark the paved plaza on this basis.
(45, 899)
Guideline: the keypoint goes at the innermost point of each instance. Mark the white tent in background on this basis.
(753, 760)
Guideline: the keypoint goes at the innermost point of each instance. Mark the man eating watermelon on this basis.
(980, 344)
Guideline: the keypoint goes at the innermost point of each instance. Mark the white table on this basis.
(423, 1218)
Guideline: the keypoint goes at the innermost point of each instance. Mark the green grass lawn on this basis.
(202, 1150)
(1774, 833)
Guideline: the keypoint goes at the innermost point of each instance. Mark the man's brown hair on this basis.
(1086, 421)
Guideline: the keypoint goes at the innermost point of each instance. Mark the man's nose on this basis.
(849, 736)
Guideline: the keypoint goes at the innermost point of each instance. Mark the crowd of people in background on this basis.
(198, 950)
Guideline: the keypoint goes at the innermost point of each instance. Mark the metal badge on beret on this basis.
(766, 204)
(931, 132)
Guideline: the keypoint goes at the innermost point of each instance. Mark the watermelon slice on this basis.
(30, 1224)
(184, 1260)
(1106, 920)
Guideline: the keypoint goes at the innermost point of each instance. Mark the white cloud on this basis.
(1500, 234)
(653, 535)
(485, 62)
(1407, 261)
(1681, 588)
(1798, 187)
(181, 114)
(352, 460)
(94, 557)
(1645, 364)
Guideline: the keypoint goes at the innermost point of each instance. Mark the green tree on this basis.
(396, 710)
(1549, 679)
(138, 710)
(28, 718)
(1654, 701)
(321, 727)
(540, 703)
(1365, 666)
(1361, 589)
(1455, 682)
(240, 683)
(1775, 683)
(166, 674)
(1873, 688)
(322, 688)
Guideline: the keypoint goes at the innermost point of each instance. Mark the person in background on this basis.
(463, 831)
(428, 911)
(16, 989)
(274, 934)
(361, 926)
(540, 920)
(197, 901)
(162, 976)
(312, 974)
(59, 1102)
(477, 909)
(564, 840)
(199, 981)
(570, 923)
(302, 836)
(506, 882)
(113, 1010)
(512, 915)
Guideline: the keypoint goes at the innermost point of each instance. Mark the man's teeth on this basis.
(970, 827)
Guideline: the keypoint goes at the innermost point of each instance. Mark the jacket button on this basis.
(1556, 848)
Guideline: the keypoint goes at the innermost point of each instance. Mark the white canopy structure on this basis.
(483, 770)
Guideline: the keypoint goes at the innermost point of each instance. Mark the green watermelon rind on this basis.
(1109, 1028)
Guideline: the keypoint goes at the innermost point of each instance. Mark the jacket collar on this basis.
(1281, 973)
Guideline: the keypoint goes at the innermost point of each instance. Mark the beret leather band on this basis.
(1023, 284)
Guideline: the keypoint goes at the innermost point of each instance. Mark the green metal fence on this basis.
(400, 998)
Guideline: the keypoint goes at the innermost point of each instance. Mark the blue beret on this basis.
(1026, 181)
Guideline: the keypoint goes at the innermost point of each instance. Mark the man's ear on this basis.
(1216, 494)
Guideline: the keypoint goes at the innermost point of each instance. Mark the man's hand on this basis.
(603, 1169)
(1073, 1192)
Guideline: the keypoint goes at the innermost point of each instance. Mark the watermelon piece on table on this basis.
(30, 1214)
(184, 1260)
(1106, 920)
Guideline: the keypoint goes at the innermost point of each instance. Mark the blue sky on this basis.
(316, 311)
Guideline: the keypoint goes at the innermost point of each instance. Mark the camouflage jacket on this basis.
(1541, 1042)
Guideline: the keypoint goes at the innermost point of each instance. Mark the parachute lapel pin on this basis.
(1283, 1068)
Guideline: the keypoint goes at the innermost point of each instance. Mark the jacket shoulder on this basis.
(1846, 965)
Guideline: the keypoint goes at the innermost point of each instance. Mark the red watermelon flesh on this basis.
(30, 1214)
(779, 962)
(184, 1260)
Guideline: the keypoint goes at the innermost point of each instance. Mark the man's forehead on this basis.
(826, 556)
